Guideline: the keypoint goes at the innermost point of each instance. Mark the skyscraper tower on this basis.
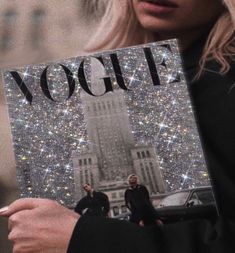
(112, 152)
(108, 128)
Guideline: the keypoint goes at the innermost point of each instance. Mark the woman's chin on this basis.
(157, 25)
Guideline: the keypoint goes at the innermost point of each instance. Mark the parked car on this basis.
(123, 216)
(184, 205)
(188, 204)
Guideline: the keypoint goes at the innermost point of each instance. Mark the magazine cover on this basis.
(99, 121)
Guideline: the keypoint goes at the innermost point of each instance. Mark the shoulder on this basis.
(82, 200)
(212, 79)
(128, 192)
(100, 194)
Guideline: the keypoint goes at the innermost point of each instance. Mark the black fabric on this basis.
(138, 201)
(96, 204)
(97, 234)
(213, 97)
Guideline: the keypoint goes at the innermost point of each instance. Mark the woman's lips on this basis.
(158, 6)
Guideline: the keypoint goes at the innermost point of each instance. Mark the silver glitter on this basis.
(46, 133)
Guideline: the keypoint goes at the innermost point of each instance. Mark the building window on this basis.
(150, 179)
(89, 161)
(37, 19)
(138, 155)
(85, 161)
(38, 16)
(92, 180)
(80, 162)
(143, 154)
(123, 209)
(108, 104)
(143, 175)
(115, 210)
(10, 17)
(153, 174)
(114, 195)
(121, 194)
(148, 153)
(6, 41)
(94, 107)
(86, 176)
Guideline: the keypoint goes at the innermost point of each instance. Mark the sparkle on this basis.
(67, 166)
(185, 177)
(46, 133)
(169, 78)
(162, 125)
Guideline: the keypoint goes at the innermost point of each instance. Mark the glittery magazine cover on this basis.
(98, 121)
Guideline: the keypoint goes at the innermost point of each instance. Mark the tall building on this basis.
(146, 166)
(112, 152)
(87, 171)
(33, 31)
(109, 134)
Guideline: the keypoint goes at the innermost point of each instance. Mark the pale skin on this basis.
(87, 188)
(44, 226)
(39, 226)
(186, 21)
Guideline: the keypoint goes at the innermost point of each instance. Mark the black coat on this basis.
(136, 197)
(213, 97)
(138, 201)
(96, 204)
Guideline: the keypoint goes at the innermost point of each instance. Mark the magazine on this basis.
(100, 118)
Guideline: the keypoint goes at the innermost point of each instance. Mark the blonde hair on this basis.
(132, 175)
(125, 30)
(220, 44)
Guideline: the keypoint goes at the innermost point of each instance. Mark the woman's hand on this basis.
(39, 225)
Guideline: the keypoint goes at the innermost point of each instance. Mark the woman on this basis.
(205, 30)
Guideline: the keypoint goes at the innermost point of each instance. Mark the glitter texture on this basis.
(46, 133)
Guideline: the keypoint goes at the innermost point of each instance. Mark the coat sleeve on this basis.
(106, 204)
(79, 207)
(145, 192)
(100, 235)
(214, 98)
(127, 199)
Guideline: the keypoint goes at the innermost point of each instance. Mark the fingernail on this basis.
(4, 209)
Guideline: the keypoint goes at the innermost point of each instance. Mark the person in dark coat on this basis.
(93, 204)
(138, 202)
